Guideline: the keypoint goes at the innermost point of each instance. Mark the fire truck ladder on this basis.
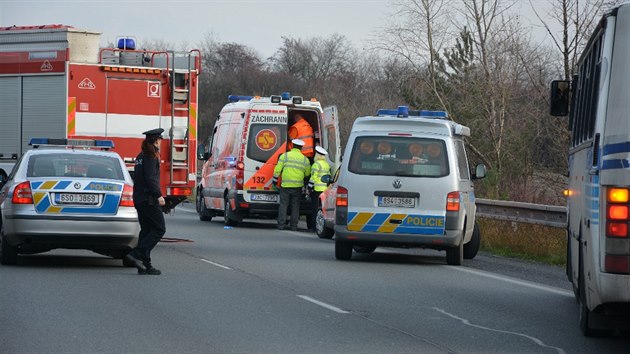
(181, 85)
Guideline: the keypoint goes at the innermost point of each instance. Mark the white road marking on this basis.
(216, 264)
(550, 289)
(323, 304)
(533, 339)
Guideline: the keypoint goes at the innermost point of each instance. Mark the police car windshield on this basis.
(264, 140)
(399, 156)
(74, 165)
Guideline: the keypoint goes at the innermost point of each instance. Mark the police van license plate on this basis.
(400, 202)
(76, 198)
(263, 197)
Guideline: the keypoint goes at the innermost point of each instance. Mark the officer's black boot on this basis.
(150, 270)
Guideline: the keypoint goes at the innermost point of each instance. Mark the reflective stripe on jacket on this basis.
(294, 167)
(302, 130)
(319, 169)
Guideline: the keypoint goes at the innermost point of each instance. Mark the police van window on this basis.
(462, 161)
(399, 156)
(331, 143)
(74, 165)
(265, 139)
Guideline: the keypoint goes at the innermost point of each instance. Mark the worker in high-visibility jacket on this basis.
(303, 131)
(319, 169)
(294, 168)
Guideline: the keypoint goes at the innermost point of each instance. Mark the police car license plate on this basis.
(400, 202)
(76, 198)
(263, 197)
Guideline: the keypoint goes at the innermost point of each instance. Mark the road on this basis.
(253, 289)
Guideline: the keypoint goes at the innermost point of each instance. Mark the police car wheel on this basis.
(320, 227)
(455, 255)
(364, 249)
(343, 250)
(472, 247)
(8, 253)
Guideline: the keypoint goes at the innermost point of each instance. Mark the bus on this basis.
(597, 102)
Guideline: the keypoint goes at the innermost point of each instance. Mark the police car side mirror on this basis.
(480, 171)
(326, 179)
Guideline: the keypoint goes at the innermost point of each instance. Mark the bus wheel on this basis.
(226, 214)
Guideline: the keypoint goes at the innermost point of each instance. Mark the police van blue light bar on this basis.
(236, 98)
(87, 143)
(404, 112)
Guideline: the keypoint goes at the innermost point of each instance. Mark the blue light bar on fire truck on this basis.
(404, 112)
(72, 143)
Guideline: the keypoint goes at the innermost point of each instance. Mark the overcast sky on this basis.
(259, 24)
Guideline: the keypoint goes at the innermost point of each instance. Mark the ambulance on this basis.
(56, 81)
(249, 135)
(404, 182)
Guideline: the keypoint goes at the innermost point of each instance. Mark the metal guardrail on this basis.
(539, 214)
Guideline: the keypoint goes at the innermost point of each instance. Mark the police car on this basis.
(404, 181)
(67, 194)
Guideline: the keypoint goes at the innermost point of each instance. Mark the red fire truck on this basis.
(57, 82)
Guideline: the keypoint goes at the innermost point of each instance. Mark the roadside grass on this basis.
(524, 241)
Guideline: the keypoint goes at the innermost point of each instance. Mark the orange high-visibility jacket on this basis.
(303, 131)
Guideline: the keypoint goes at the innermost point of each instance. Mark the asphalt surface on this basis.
(253, 289)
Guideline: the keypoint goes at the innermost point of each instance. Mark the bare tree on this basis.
(576, 18)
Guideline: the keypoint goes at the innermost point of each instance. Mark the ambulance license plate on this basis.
(263, 197)
(398, 202)
(76, 198)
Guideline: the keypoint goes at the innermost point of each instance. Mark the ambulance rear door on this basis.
(330, 137)
(266, 138)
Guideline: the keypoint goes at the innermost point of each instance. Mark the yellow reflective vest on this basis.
(294, 167)
(319, 169)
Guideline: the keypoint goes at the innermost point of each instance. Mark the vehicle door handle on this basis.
(395, 221)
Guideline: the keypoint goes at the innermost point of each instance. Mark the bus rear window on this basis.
(264, 140)
(399, 156)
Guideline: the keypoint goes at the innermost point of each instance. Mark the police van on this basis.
(248, 137)
(405, 182)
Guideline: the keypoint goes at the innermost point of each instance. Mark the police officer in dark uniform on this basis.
(148, 200)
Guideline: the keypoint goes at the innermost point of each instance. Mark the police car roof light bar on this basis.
(429, 114)
(84, 143)
(236, 98)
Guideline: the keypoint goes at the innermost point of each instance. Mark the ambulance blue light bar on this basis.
(236, 98)
(85, 143)
(286, 95)
(404, 112)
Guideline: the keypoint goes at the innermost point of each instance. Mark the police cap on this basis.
(320, 150)
(154, 133)
(298, 142)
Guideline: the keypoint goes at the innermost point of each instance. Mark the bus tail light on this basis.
(617, 257)
(452, 201)
(126, 200)
(342, 197)
(617, 264)
(22, 194)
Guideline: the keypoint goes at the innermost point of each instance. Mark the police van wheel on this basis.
(226, 214)
(8, 253)
(204, 213)
(472, 247)
(320, 227)
(455, 255)
(343, 250)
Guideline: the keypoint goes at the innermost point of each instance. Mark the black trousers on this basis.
(289, 197)
(152, 228)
